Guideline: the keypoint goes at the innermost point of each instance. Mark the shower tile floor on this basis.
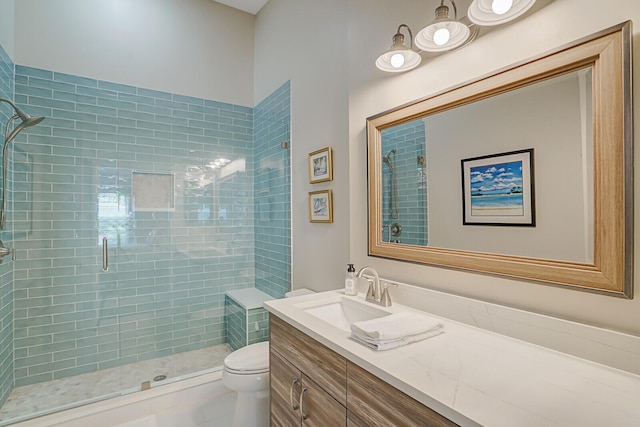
(68, 392)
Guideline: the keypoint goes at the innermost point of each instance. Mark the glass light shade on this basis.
(398, 60)
(427, 39)
(481, 12)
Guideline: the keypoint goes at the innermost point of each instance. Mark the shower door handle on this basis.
(105, 255)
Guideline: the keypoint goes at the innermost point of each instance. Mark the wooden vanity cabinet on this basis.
(308, 380)
(373, 402)
(336, 391)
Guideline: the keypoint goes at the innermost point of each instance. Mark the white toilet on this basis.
(246, 371)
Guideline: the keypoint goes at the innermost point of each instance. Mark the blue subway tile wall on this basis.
(6, 270)
(167, 180)
(236, 324)
(272, 118)
(257, 325)
(408, 141)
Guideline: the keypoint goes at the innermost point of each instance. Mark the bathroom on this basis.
(212, 53)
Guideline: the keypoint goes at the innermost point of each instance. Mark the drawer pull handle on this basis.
(303, 416)
(294, 405)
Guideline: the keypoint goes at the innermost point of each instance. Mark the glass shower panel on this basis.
(272, 119)
(167, 182)
(67, 309)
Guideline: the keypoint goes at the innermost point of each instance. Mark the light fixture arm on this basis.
(455, 8)
(398, 33)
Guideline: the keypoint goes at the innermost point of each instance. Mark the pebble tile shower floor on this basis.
(45, 397)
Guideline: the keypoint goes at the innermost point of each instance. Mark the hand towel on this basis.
(381, 345)
(395, 326)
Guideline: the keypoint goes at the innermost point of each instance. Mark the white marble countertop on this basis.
(480, 378)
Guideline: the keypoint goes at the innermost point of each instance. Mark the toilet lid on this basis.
(254, 357)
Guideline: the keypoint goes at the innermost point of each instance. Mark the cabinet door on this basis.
(318, 408)
(285, 386)
(326, 367)
(377, 403)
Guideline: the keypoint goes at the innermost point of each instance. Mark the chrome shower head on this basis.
(387, 159)
(26, 121)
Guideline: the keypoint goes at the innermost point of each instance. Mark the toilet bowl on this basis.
(246, 371)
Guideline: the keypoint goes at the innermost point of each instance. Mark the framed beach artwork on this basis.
(320, 167)
(499, 190)
(320, 206)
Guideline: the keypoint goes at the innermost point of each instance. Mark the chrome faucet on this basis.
(375, 293)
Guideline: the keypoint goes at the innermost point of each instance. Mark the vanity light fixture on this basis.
(496, 12)
(399, 57)
(444, 33)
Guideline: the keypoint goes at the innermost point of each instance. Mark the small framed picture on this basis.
(320, 206)
(499, 190)
(320, 167)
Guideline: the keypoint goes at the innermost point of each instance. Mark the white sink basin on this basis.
(341, 312)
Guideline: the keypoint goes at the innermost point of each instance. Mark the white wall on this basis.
(306, 42)
(7, 7)
(191, 47)
(552, 25)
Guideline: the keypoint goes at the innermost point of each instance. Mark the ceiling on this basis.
(250, 6)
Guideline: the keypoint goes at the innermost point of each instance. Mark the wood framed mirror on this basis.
(571, 111)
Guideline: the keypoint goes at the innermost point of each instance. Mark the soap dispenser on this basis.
(350, 281)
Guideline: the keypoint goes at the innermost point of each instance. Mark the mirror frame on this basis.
(609, 54)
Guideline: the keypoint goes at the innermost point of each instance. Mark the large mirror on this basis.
(525, 173)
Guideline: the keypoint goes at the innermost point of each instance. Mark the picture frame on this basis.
(320, 206)
(320, 166)
(498, 189)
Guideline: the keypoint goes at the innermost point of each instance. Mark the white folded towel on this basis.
(381, 345)
(395, 326)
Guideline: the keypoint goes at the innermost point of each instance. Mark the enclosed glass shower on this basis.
(132, 212)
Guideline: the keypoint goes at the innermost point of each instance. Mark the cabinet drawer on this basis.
(326, 367)
(377, 403)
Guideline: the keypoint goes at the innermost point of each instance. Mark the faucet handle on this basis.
(385, 300)
(371, 291)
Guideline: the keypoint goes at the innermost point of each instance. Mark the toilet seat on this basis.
(250, 360)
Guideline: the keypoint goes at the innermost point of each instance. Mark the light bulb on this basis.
(441, 36)
(500, 7)
(397, 60)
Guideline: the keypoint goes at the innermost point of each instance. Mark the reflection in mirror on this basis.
(571, 111)
(421, 179)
